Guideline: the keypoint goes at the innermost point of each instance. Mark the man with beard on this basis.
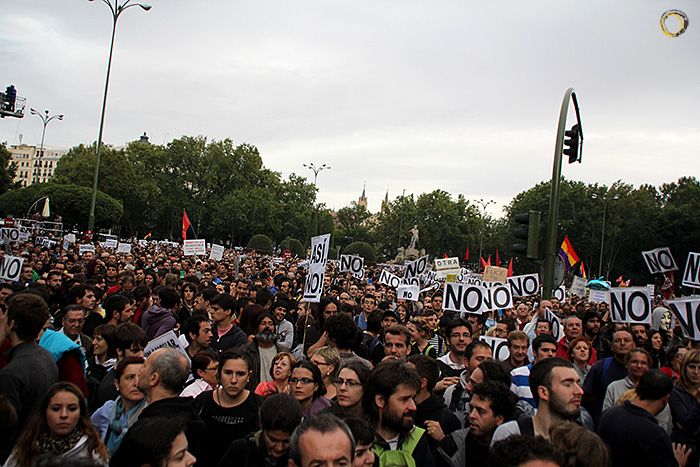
(54, 285)
(459, 336)
(556, 389)
(591, 330)
(261, 350)
(492, 405)
(388, 399)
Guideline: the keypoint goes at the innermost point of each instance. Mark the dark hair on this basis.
(578, 446)
(574, 342)
(29, 313)
(502, 399)
(115, 303)
(399, 330)
(361, 370)
(471, 348)
(654, 385)
(517, 336)
(27, 448)
(360, 429)
(106, 331)
(374, 321)
(316, 374)
(202, 360)
(263, 297)
(192, 325)
(541, 374)
(383, 381)
(427, 368)
(494, 370)
(124, 362)
(140, 292)
(510, 324)
(342, 331)
(280, 412)
(209, 293)
(519, 449)
(78, 291)
(542, 339)
(128, 334)
(169, 297)
(455, 323)
(233, 354)
(148, 442)
(322, 423)
(225, 301)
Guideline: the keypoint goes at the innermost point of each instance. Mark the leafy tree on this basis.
(260, 242)
(363, 249)
(353, 223)
(8, 170)
(293, 245)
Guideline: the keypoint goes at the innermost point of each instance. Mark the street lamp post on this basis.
(484, 205)
(116, 9)
(45, 120)
(316, 170)
(602, 232)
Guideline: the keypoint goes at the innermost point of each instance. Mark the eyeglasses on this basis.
(211, 369)
(348, 382)
(303, 381)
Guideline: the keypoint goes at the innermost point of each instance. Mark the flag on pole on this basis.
(466, 254)
(483, 262)
(583, 271)
(498, 259)
(187, 229)
(567, 253)
(510, 267)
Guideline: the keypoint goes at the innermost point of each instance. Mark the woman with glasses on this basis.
(204, 369)
(327, 360)
(281, 370)
(308, 388)
(349, 385)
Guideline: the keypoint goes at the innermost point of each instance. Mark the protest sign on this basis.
(470, 279)
(597, 296)
(408, 292)
(353, 264)
(631, 304)
(168, 340)
(313, 287)
(559, 293)
(410, 281)
(691, 275)
(578, 286)
(417, 267)
(196, 246)
(495, 274)
(554, 324)
(527, 284)
(85, 249)
(24, 236)
(110, 243)
(476, 299)
(499, 347)
(217, 252)
(387, 278)
(687, 312)
(659, 260)
(498, 297)
(11, 267)
(9, 234)
(445, 266)
(124, 247)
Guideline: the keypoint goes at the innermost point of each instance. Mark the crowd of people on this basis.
(257, 376)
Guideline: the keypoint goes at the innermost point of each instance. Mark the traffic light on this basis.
(529, 231)
(571, 142)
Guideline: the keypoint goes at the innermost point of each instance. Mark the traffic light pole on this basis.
(553, 220)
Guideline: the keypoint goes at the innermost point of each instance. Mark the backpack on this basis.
(402, 457)
(526, 426)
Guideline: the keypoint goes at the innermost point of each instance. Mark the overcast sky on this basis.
(404, 94)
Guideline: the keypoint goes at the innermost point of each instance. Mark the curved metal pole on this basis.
(34, 204)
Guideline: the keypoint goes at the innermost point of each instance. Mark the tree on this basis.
(353, 221)
(363, 249)
(260, 243)
(293, 245)
(8, 170)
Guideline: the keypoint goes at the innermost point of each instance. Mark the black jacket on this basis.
(251, 452)
(234, 338)
(434, 408)
(185, 408)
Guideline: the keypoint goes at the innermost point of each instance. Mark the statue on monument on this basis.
(414, 238)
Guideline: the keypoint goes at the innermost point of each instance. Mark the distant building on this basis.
(32, 166)
(363, 199)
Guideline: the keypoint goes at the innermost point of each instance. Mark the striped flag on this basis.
(567, 253)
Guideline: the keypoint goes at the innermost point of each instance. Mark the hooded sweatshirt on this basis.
(433, 408)
(157, 321)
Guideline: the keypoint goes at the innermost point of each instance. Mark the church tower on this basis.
(363, 199)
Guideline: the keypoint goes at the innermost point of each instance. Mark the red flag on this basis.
(187, 229)
(488, 263)
(583, 271)
(444, 255)
(483, 263)
(498, 259)
(510, 267)
(466, 254)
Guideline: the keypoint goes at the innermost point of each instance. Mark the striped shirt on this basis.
(520, 384)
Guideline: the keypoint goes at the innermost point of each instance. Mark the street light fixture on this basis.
(316, 170)
(116, 9)
(604, 197)
(484, 205)
(45, 120)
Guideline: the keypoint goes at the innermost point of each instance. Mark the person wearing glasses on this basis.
(349, 386)
(308, 388)
(204, 369)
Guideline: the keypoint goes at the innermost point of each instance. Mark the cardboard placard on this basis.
(387, 278)
(10, 234)
(11, 267)
(525, 285)
(197, 246)
(687, 312)
(82, 249)
(417, 267)
(631, 304)
(217, 252)
(353, 264)
(168, 340)
(691, 275)
(476, 299)
(408, 292)
(495, 274)
(110, 243)
(659, 260)
(578, 286)
(313, 286)
(124, 247)
(499, 347)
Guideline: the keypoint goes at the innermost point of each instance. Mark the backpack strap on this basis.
(456, 397)
(606, 366)
(526, 426)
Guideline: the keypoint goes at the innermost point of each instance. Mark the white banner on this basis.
(476, 299)
(578, 286)
(444, 266)
(417, 267)
(196, 246)
(499, 347)
(86, 248)
(691, 275)
(597, 296)
(124, 247)
(168, 340)
(217, 252)
(525, 285)
(631, 304)
(353, 264)
(408, 292)
(313, 286)
(11, 267)
(687, 312)
(659, 260)
(10, 234)
(110, 243)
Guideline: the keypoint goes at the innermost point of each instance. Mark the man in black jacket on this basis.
(225, 333)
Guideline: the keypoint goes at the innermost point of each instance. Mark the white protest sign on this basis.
(411, 281)
(498, 297)
(85, 249)
(417, 267)
(687, 312)
(143, 242)
(217, 252)
(168, 340)
(444, 266)
(659, 260)
(11, 267)
(597, 296)
(353, 264)
(578, 286)
(476, 299)
(408, 292)
(554, 324)
(70, 238)
(24, 236)
(313, 286)
(110, 243)
(387, 278)
(429, 278)
(527, 284)
(691, 275)
(631, 304)
(196, 246)
(559, 293)
(499, 347)
(124, 247)
(66, 244)
(10, 234)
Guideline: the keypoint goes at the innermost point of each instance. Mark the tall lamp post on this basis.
(602, 233)
(45, 120)
(316, 170)
(116, 9)
(484, 205)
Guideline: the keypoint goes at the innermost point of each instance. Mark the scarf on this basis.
(57, 445)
